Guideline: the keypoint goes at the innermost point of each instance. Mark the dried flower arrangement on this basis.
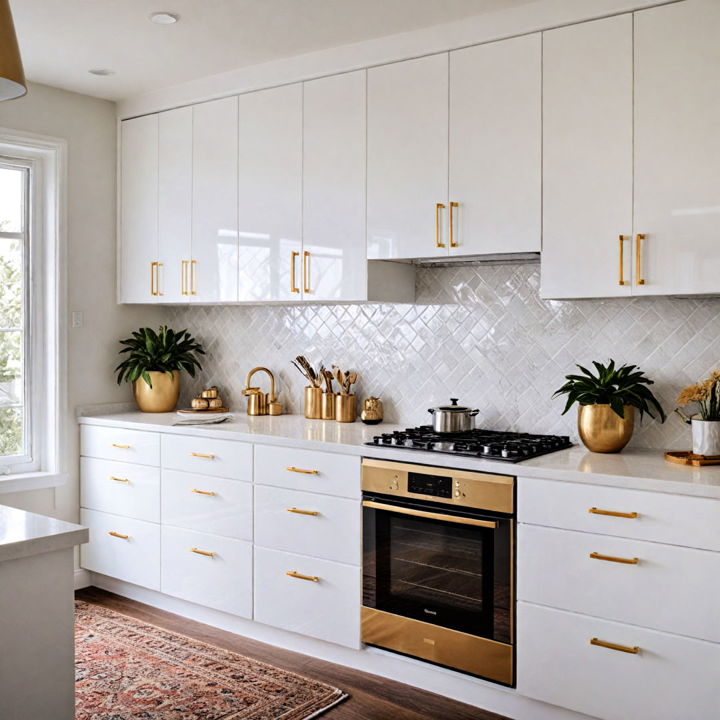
(706, 394)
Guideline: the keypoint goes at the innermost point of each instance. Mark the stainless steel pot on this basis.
(452, 418)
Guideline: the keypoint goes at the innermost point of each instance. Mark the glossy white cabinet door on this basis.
(587, 158)
(677, 148)
(174, 203)
(208, 456)
(270, 193)
(214, 209)
(407, 149)
(495, 147)
(113, 443)
(138, 209)
(334, 244)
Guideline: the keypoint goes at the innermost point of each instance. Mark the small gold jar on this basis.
(327, 409)
(313, 403)
(345, 408)
(372, 412)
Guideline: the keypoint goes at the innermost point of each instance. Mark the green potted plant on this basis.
(608, 401)
(706, 422)
(153, 363)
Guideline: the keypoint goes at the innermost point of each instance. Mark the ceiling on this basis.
(61, 40)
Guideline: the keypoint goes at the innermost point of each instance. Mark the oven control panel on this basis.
(435, 485)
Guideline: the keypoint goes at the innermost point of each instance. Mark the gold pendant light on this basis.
(12, 76)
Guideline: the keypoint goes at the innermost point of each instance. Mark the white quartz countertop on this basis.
(24, 533)
(639, 469)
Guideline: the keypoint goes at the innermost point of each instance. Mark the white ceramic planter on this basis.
(706, 437)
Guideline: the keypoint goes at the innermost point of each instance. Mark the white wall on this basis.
(89, 127)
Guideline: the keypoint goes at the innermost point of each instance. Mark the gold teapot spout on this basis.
(260, 403)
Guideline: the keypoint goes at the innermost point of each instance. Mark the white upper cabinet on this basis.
(677, 148)
(270, 194)
(334, 247)
(407, 159)
(495, 147)
(213, 275)
(587, 159)
(139, 210)
(174, 204)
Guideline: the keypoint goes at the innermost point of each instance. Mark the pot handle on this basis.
(473, 413)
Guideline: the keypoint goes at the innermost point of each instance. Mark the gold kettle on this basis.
(260, 403)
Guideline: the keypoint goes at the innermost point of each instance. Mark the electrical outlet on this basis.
(77, 319)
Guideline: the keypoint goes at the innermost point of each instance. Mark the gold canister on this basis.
(602, 430)
(313, 403)
(345, 409)
(372, 412)
(328, 406)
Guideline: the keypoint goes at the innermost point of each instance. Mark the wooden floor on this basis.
(372, 697)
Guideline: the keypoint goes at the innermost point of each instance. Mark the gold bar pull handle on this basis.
(207, 456)
(614, 646)
(152, 278)
(183, 277)
(438, 208)
(210, 493)
(612, 558)
(121, 447)
(193, 277)
(639, 280)
(452, 227)
(204, 553)
(119, 479)
(300, 470)
(612, 513)
(306, 272)
(293, 287)
(621, 261)
(492, 524)
(118, 535)
(314, 513)
(158, 265)
(300, 576)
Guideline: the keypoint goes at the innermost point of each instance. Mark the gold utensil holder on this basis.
(328, 405)
(313, 403)
(345, 408)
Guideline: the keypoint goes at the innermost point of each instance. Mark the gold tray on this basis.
(686, 457)
(207, 411)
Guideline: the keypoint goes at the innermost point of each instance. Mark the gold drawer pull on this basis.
(304, 472)
(302, 512)
(612, 646)
(121, 447)
(117, 479)
(612, 513)
(438, 208)
(621, 258)
(118, 535)
(203, 492)
(612, 558)
(638, 259)
(203, 455)
(204, 553)
(300, 576)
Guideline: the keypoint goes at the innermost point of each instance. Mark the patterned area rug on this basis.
(130, 670)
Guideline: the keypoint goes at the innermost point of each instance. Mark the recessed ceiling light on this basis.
(103, 72)
(164, 18)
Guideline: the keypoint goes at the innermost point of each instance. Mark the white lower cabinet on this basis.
(647, 675)
(312, 597)
(207, 569)
(208, 456)
(122, 547)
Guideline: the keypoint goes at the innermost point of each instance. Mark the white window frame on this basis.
(46, 349)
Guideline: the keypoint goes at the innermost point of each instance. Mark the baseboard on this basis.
(82, 579)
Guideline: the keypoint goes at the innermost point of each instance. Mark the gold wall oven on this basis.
(438, 566)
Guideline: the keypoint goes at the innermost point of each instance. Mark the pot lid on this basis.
(454, 407)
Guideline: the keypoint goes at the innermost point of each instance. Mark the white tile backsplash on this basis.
(480, 333)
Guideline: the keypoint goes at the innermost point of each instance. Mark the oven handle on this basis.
(430, 515)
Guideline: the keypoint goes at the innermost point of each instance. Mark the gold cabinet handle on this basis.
(183, 277)
(293, 287)
(211, 493)
(612, 513)
(119, 479)
(304, 472)
(158, 265)
(452, 228)
(638, 259)
(204, 553)
(614, 646)
(314, 513)
(202, 455)
(621, 260)
(121, 447)
(612, 558)
(300, 576)
(118, 535)
(438, 208)
(306, 271)
(193, 277)
(152, 278)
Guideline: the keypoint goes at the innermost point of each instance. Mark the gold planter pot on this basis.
(313, 403)
(603, 430)
(162, 396)
(345, 408)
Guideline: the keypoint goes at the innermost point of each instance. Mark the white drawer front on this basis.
(135, 559)
(671, 677)
(328, 609)
(282, 522)
(113, 443)
(222, 580)
(120, 488)
(207, 504)
(208, 456)
(673, 519)
(670, 588)
(308, 470)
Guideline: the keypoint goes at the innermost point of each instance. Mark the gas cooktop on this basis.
(489, 444)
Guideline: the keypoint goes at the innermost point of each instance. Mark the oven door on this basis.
(445, 566)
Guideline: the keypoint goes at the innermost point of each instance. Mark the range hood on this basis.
(494, 259)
